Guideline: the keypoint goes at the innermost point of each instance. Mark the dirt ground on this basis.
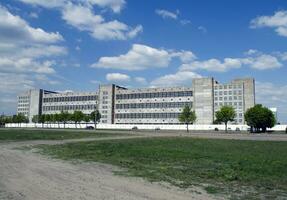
(28, 175)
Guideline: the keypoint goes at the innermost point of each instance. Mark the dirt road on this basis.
(31, 176)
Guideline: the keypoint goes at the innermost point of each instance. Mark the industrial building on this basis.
(119, 105)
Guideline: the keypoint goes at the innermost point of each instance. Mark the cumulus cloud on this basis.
(115, 5)
(253, 59)
(272, 95)
(166, 14)
(117, 77)
(278, 21)
(212, 65)
(83, 18)
(262, 62)
(15, 29)
(140, 80)
(80, 14)
(141, 57)
(26, 57)
(178, 79)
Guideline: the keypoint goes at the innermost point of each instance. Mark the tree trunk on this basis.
(95, 125)
(187, 128)
(225, 127)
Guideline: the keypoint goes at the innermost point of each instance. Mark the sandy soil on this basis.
(31, 176)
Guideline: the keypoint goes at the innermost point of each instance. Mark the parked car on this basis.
(216, 129)
(134, 128)
(89, 127)
(237, 129)
(157, 129)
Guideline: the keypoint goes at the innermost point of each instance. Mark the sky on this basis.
(76, 45)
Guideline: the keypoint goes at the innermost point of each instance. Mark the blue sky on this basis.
(78, 44)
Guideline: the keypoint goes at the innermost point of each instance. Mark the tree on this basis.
(187, 116)
(42, 119)
(95, 117)
(224, 115)
(48, 119)
(260, 118)
(64, 117)
(77, 117)
(19, 118)
(57, 119)
(35, 119)
(87, 119)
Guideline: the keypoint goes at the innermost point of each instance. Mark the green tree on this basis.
(57, 119)
(95, 117)
(77, 117)
(65, 117)
(87, 119)
(260, 118)
(187, 116)
(224, 115)
(35, 119)
(42, 119)
(48, 119)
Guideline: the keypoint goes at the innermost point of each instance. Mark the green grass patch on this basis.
(50, 134)
(225, 166)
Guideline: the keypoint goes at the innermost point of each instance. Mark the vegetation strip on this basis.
(242, 169)
(45, 134)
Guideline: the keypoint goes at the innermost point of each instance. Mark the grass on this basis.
(50, 134)
(238, 169)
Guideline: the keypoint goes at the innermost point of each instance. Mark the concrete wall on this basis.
(141, 126)
(203, 100)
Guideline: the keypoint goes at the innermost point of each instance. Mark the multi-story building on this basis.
(53, 103)
(119, 105)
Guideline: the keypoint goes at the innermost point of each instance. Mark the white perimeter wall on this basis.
(140, 126)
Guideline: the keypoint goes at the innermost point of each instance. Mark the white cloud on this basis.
(184, 56)
(80, 15)
(83, 18)
(262, 62)
(272, 95)
(185, 22)
(140, 80)
(26, 65)
(115, 5)
(33, 15)
(14, 29)
(278, 21)
(202, 29)
(212, 65)
(117, 77)
(46, 3)
(166, 14)
(178, 79)
(254, 59)
(141, 57)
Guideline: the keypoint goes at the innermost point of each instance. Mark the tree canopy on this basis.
(260, 118)
(187, 116)
(225, 114)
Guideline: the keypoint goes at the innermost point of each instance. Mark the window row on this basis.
(71, 98)
(230, 98)
(146, 115)
(220, 87)
(154, 95)
(69, 107)
(228, 103)
(232, 92)
(154, 105)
